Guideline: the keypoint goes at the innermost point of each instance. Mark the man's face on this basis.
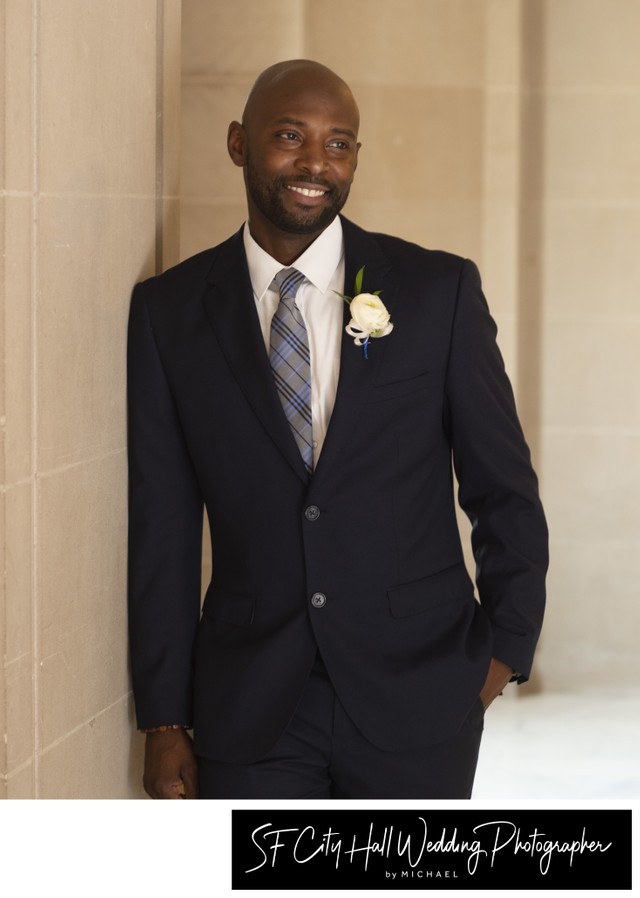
(300, 155)
(294, 203)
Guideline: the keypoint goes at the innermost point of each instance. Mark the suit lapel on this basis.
(357, 373)
(230, 308)
(231, 311)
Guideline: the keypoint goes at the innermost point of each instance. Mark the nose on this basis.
(312, 157)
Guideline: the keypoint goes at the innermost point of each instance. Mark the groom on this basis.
(340, 651)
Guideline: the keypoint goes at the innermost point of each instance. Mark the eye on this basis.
(339, 144)
(287, 135)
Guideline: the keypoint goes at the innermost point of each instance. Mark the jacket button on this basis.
(318, 600)
(312, 513)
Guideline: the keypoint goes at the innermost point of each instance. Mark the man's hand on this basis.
(170, 766)
(497, 678)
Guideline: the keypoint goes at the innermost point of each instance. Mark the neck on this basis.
(284, 247)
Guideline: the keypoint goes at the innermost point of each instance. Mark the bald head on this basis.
(298, 146)
(280, 82)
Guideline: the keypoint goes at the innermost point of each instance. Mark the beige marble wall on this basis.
(90, 95)
(508, 131)
(590, 272)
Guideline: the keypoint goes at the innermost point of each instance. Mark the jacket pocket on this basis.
(450, 585)
(400, 388)
(228, 607)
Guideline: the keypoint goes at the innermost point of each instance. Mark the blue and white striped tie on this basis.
(289, 356)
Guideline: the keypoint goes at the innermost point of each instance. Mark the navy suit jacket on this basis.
(405, 642)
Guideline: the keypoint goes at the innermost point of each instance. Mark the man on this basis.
(340, 651)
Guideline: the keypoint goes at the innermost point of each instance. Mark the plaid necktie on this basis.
(289, 357)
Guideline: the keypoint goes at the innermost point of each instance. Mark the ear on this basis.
(355, 163)
(236, 143)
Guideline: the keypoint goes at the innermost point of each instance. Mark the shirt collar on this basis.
(317, 263)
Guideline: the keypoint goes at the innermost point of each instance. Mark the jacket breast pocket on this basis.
(228, 607)
(397, 389)
(450, 585)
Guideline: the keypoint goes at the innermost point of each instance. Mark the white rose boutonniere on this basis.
(369, 316)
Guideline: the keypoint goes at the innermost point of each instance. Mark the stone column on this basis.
(89, 206)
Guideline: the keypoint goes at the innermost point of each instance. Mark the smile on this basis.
(306, 191)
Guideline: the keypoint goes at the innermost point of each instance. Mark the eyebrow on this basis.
(300, 124)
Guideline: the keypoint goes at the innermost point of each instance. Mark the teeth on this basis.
(306, 192)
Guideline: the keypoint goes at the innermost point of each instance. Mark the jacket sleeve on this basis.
(498, 488)
(165, 535)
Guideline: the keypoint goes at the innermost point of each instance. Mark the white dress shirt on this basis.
(320, 306)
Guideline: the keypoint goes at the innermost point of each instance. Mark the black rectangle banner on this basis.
(443, 849)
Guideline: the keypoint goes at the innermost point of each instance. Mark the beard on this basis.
(268, 198)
